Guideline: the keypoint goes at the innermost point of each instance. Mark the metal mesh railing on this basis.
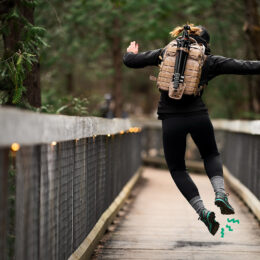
(241, 153)
(62, 189)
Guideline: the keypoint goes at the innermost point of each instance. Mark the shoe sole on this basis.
(215, 224)
(225, 210)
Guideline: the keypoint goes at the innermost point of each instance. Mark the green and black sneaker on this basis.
(208, 217)
(221, 201)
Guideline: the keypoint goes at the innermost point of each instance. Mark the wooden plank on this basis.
(162, 225)
(139, 254)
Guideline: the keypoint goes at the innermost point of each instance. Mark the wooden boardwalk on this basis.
(162, 225)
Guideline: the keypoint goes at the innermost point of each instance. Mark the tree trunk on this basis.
(69, 82)
(252, 30)
(32, 81)
(11, 40)
(13, 36)
(33, 87)
(117, 64)
(252, 25)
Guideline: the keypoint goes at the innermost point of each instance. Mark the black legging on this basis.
(175, 130)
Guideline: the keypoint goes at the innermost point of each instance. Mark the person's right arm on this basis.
(142, 59)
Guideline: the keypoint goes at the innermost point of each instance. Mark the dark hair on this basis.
(204, 34)
(203, 38)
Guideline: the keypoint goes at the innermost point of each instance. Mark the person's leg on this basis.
(174, 143)
(202, 133)
(214, 170)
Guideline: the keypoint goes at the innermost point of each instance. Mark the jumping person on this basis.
(182, 113)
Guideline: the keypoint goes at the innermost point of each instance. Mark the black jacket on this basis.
(187, 105)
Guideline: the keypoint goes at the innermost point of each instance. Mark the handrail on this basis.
(26, 127)
(238, 126)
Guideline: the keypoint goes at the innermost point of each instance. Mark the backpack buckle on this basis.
(153, 78)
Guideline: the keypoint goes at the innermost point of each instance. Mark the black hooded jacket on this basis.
(190, 105)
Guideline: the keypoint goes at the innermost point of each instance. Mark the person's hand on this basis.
(133, 47)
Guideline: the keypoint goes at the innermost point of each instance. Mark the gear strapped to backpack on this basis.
(181, 66)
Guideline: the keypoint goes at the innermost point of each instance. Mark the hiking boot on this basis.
(221, 201)
(208, 217)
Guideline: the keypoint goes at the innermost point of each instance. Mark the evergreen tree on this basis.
(19, 78)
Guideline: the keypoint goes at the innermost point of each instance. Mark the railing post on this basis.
(27, 209)
(4, 163)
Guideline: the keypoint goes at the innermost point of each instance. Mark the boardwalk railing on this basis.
(57, 179)
(239, 145)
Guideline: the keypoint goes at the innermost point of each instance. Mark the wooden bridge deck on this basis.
(162, 225)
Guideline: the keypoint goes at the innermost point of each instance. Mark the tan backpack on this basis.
(192, 74)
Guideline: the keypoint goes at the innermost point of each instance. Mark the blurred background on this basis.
(65, 57)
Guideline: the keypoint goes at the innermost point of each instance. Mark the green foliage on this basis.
(67, 106)
(17, 62)
(81, 35)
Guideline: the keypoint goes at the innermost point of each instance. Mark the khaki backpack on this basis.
(192, 74)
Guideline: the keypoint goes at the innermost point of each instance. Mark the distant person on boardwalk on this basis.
(186, 67)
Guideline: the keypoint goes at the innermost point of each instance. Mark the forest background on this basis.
(65, 57)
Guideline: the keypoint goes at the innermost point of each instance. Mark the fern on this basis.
(18, 64)
(18, 95)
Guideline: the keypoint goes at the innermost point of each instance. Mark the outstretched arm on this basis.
(223, 65)
(133, 59)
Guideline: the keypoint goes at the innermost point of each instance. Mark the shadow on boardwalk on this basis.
(160, 224)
